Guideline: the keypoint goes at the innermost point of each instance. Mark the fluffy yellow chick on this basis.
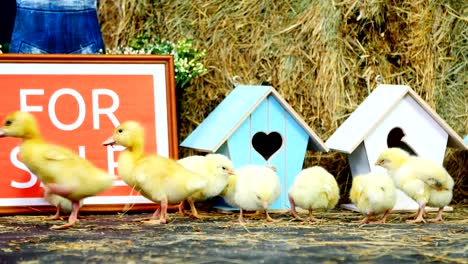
(373, 193)
(63, 172)
(216, 169)
(425, 181)
(313, 188)
(159, 179)
(252, 188)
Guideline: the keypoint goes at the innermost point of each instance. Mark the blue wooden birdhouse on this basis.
(255, 125)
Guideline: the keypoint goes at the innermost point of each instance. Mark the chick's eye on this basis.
(120, 131)
(224, 168)
(8, 122)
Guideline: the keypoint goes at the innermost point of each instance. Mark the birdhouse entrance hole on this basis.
(267, 144)
(395, 140)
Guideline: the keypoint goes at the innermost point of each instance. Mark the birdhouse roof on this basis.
(373, 110)
(231, 113)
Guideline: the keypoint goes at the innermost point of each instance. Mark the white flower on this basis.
(187, 59)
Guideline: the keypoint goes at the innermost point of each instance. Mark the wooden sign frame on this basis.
(159, 69)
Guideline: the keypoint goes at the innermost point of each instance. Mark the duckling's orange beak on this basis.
(378, 163)
(2, 133)
(109, 142)
(231, 172)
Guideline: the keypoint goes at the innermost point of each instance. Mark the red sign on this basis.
(78, 106)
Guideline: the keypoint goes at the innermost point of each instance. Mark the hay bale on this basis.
(322, 56)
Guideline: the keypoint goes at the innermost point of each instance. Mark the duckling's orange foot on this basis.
(62, 227)
(142, 219)
(381, 221)
(154, 222)
(85, 217)
(197, 216)
(415, 215)
(366, 220)
(298, 218)
(54, 217)
(436, 220)
(416, 221)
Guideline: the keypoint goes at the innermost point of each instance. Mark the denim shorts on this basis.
(50, 26)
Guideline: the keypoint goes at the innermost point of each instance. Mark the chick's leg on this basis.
(241, 217)
(156, 214)
(182, 208)
(56, 216)
(366, 219)
(161, 213)
(72, 219)
(415, 215)
(311, 217)
(153, 218)
(293, 208)
(163, 218)
(384, 218)
(57, 213)
(438, 217)
(193, 209)
(268, 218)
(419, 217)
(265, 207)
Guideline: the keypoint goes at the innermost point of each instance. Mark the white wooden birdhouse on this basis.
(255, 125)
(393, 116)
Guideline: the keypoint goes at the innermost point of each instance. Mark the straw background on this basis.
(322, 56)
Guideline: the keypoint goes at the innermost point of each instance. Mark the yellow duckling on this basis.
(313, 188)
(63, 172)
(216, 168)
(159, 179)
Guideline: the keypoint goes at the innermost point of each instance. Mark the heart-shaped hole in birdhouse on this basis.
(396, 139)
(267, 144)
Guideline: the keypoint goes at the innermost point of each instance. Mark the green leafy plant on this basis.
(4, 48)
(187, 58)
